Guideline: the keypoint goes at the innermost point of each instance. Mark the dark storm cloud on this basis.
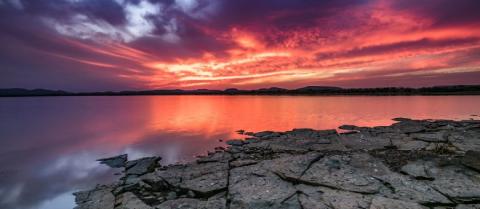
(443, 12)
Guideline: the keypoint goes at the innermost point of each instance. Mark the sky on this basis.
(97, 45)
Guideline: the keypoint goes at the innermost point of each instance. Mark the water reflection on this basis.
(48, 145)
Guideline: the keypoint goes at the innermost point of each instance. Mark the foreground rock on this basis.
(413, 164)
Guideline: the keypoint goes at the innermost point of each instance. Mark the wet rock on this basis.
(115, 162)
(386, 203)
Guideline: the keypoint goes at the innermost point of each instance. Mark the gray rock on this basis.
(336, 171)
(458, 184)
(421, 169)
(129, 200)
(462, 206)
(472, 160)
(253, 187)
(99, 198)
(323, 197)
(265, 134)
(412, 145)
(293, 166)
(142, 166)
(171, 195)
(115, 162)
(430, 137)
(205, 178)
(386, 203)
(235, 142)
(240, 163)
(401, 187)
(409, 126)
(306, 168)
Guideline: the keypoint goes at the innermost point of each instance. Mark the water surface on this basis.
(48, 145)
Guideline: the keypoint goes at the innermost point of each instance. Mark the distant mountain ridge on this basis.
(307, 90)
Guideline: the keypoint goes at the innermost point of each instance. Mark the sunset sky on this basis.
(95, 45)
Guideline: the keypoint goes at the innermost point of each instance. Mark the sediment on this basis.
(411, 164)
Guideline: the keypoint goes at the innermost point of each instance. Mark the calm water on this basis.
(48, 145)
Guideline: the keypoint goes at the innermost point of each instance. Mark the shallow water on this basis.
(48, 145)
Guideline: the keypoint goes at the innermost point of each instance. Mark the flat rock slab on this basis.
(413, 164)
(115, 162)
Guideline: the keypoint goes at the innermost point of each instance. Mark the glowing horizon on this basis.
(191, 44)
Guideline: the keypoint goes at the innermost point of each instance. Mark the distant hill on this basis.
(308, 90)
(32, 92)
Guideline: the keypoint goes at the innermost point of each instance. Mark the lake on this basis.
(48, 145)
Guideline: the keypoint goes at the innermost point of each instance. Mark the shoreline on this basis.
(409, 164)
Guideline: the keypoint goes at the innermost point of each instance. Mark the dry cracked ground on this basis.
(411, 164)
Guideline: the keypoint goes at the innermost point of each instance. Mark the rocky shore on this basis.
(412, 164)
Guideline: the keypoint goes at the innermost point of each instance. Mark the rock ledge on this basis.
(411, 164)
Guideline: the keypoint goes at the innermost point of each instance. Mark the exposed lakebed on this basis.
(409, 164)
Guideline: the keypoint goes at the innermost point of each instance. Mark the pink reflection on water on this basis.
(54, 141)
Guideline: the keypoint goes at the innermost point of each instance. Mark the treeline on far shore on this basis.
(308, 90)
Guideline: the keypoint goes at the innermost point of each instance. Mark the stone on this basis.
(387, 203)
(115, 162)
(240, 163)
(264, 134)
(461, 185)
(293, 167)
(323, 197)
(397, 186)
(129, 200)
(413, 145)
(235, 142)
(472, 159)
(142, 166)
(253, 187)
(410, 164)
(473, 206)
(430, 137)
(409, 126)
(421, 169)
(99, 198)
(335, 171)
(205, 178)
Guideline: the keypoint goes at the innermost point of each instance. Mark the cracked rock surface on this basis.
(413, 164)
